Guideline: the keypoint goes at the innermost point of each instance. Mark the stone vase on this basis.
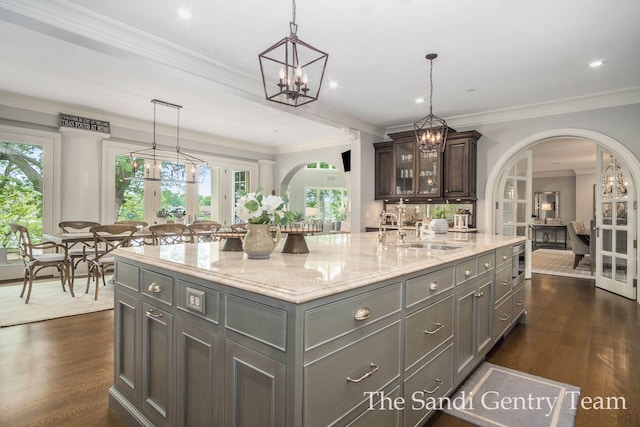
(258, 242)
(439, 226)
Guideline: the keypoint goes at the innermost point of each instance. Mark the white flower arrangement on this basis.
(255, 208)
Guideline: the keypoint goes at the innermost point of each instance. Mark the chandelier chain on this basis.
(293, 11)
(431, 88)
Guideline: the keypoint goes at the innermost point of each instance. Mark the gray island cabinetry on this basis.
(352, 333)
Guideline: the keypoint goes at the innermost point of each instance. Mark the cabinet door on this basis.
(157, 364)
(484, 315)
(429, 179)
(254, 388)
(464, 336)
(405, 168)
(127, 345)
(199, 364)
(460, 168)
(385, 170)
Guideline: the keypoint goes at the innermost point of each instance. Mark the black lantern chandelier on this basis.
(292, 70)
(431, 131)
(179, 167)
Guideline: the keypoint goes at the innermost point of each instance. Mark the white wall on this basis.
(585, 197)
(566, 186)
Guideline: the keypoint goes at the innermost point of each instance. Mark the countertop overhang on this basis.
(335, 262)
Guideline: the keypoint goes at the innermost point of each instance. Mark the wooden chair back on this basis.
(200, 231)
(169, 234)
(107, 238)
(76, 226)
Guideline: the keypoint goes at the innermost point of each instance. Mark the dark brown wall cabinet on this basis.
(403, 171)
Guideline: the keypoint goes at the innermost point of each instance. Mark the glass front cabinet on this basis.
(402, 170)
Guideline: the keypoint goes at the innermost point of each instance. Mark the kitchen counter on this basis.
(209, 337)
(334, 264)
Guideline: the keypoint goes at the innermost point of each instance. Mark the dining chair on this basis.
(200, 231)
(34, 261)
(76, 250)
(169, 234)
(579, 247)
(106, 239)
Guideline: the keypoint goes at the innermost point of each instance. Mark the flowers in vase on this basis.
(255, 208)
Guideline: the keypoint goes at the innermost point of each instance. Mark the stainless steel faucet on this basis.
(381, 230)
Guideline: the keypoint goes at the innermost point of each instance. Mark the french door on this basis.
(615, 227)
(513, 215)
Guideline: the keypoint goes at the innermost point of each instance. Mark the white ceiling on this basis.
(115, 56)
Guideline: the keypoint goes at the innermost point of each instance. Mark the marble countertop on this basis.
(335, 262)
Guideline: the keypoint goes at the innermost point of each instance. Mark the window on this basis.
(331, 203)
(21, 190)
(320, 165)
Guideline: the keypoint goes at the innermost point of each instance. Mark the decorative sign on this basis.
(69, 121)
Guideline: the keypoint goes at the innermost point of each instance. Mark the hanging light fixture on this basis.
(292, 70)
(431, 131)
(614, 183)
(181, 167)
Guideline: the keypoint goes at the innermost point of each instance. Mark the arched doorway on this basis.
(606, 145)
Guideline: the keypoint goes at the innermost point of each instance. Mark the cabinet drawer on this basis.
(335, 384)
(257, 321)
(503, 282)
(434, 380)
(199, 301)
(333, 320)
(501, 318)
(426, 329)
(427, 285)
(486, 263)
(518, 302)
(466, 271)
(504, 256)
(157, 286)
(379, 418)
(127, 275)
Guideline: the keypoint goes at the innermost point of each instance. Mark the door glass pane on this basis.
(606, 240)
(428, 180)
(522, 189)
(621, 213)
(204, 194)
(621, 241)
(607, 213)
(521, 213)
(607, 266)
(509, 190)
(621, 270)
(521, 231)
(173, 191)
(404, 168)
(240, 184)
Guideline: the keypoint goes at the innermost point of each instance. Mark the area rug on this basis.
(560, 263)
(497, 396)
(48, 301)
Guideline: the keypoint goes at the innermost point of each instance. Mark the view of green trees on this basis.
(21, 184)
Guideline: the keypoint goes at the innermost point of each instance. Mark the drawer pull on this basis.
(363, 313)
(434, 285)
(439, 382)
(155, 288)
(373, 368)
(153, 315)
(505, 282)
(521, 302)
(487, 265)
(504, 257)
(468, 273)
(479, 294)
(504, 317)
(438, 327)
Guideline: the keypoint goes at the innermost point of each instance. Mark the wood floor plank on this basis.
(58, 372)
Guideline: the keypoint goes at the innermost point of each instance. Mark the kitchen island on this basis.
(208, 337)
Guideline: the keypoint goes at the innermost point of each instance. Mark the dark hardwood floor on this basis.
(58, 372)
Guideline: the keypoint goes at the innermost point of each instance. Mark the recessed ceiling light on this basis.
(596, 64)
(333, 84)
(419, 100)
(470, 90)
(184, 13)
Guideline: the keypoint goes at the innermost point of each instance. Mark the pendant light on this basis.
(431, 131)
(292, 70)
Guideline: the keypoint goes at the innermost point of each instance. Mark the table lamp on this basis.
(545, 207)
(311, 212)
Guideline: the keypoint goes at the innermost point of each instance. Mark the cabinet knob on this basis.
(487, 265)
(363, 313)
(155, 288)
(434, 285)
(504, 257)
(468, 273)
